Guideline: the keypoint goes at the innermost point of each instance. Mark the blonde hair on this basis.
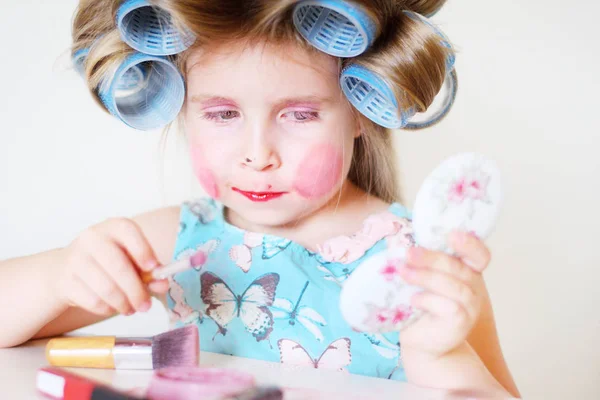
(407, 54)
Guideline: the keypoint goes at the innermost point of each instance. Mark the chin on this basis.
(271, 214)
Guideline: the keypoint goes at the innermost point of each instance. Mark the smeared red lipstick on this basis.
(259, 197)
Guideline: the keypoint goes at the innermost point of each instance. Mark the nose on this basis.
(260, 154)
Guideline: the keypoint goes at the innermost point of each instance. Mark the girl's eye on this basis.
(302, 116)
(221, 116)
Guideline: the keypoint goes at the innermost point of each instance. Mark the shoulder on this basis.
(399, 211)
(160, 228)
(399, 219)
(395, 214)
(386, 219)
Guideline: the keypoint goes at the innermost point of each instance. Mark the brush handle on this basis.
(82, 352)
(166, 271)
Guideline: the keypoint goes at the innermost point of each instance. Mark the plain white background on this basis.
(528, 99)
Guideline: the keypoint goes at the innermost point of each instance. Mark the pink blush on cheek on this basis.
(208, 182)
(204, 174)
(319, 172)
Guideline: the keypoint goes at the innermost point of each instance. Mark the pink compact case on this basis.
(181, 383)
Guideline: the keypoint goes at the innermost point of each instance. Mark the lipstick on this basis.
(259, 197)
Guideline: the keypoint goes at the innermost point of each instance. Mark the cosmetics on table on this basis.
(198, 383)
(172, 384)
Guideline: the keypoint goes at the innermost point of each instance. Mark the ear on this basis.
(359, 126)
(358, 119)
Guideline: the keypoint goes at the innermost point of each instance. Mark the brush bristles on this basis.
(176, 348)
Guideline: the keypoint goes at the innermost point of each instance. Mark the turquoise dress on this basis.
(265, 297)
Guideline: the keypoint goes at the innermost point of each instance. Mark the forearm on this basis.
(459, 370)
(27, 298)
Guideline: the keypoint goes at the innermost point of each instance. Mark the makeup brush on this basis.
(196, 260)
(176, 348)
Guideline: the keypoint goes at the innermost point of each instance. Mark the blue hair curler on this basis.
(132, 80)
(451, 84)
(150, 29)
(79, 60)
(146, 92)
(336, 27)
(373, 97)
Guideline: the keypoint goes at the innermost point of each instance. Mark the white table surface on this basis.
(18, 368)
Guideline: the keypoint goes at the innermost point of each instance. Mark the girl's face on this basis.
(271, 134)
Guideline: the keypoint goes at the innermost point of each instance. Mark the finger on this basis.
(131, 238)
(422, 258)
(86, 299)
(117, 264)
(443, 285)
(438, 306)
(159, 287)
(105, 287)
(470, 249)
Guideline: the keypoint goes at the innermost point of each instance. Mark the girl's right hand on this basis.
(100, 270)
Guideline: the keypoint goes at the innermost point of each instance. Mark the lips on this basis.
(259, 197)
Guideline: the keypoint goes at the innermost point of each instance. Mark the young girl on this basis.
(302, 188)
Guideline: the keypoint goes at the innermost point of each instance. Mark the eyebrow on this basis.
(207, 99)
(303, 100)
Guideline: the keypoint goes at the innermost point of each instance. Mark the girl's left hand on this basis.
(452, 295)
